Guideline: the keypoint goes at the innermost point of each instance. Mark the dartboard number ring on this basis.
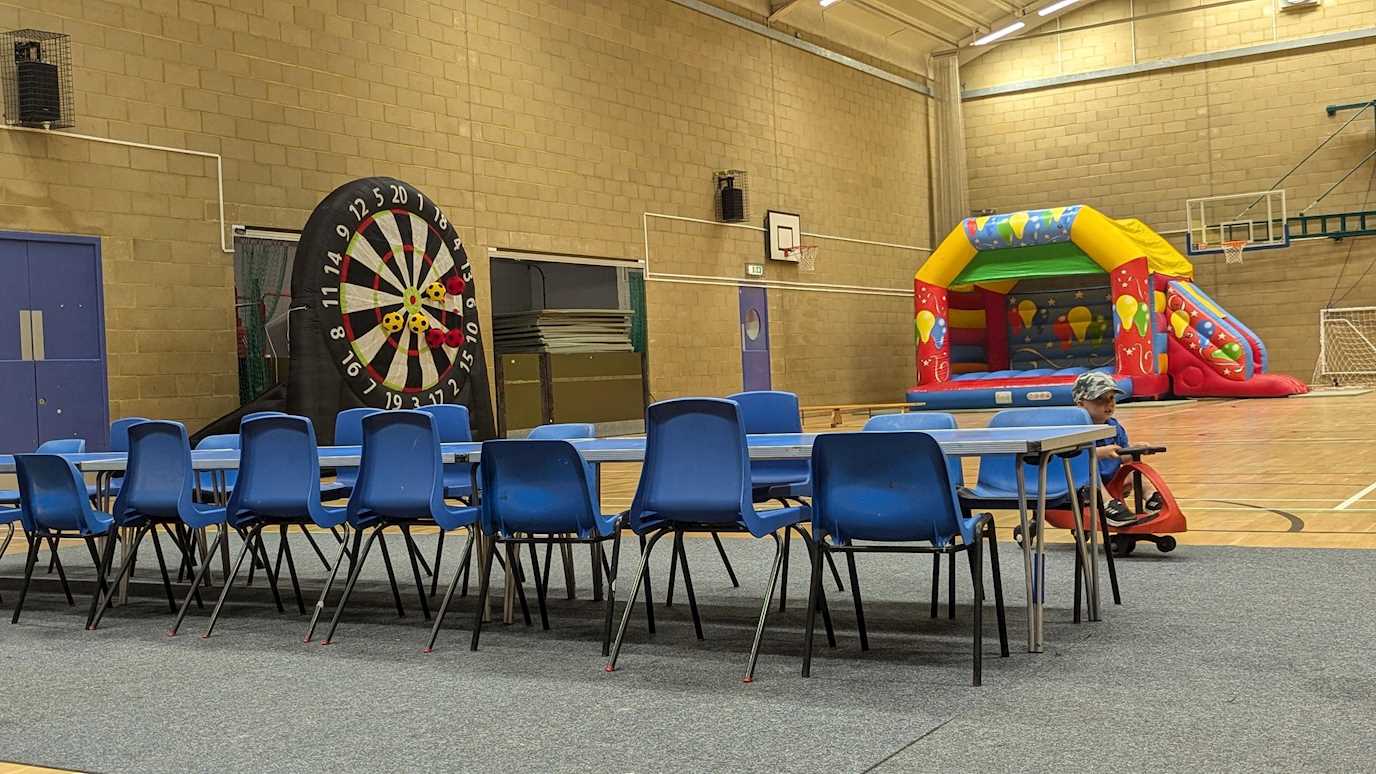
(396, 301)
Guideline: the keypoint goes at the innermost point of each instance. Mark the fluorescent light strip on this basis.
(993, 36)
(825, 3)
(1056, 6)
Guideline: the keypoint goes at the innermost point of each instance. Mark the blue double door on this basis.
(52, 342)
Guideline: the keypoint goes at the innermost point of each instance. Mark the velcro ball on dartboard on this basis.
(393, 322)
(455, 285)
(419, 323)
(435, 337)
(454, 338)
(435, 292)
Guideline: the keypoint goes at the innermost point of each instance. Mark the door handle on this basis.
(25, 335)
(38, 352)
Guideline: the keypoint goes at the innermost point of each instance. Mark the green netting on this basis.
(262, 277)
(636, 281)
(1054, 260)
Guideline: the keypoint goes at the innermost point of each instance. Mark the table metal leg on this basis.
(1078, 529)
(1027, 560)
(1094, 537)
(1039, 609)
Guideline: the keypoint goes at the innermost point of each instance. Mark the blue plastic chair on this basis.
(451, 420)
(56, 446)
(574, 431)
(119, 442)
(158, 491)
(925, 420)
(773, 411)
(538, 491)
(54, 506)
(206, 479)
(400, 484)
(697, 478)
(257, 414)
(348, 431)
(278, 486)
(893, 488)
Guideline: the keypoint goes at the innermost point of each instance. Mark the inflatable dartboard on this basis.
(386, 314)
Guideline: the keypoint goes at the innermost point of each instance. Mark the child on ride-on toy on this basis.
(1097, 393)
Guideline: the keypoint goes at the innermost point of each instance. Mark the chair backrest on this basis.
(63, 446)
(920, 420)
(279, 468)
(773, 411)
(697, 466)
(158, 479)
(451, 422)
(884, 486)
(536, 486)
(567, 431)
(52, 494)
(224, 441)
(401, 474)
(257, 414)
(119, 432)
(348, 431)
(999, 471)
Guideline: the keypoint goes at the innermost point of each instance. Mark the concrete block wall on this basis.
(537, 125)
(1140, 145)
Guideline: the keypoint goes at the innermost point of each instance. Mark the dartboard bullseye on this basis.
(395, 300)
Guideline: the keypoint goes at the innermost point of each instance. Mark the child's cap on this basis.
(1092, 385)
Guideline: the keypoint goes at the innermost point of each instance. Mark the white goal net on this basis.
(1347, 347)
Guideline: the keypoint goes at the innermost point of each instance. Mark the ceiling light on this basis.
(825, 3)
(1056, 6)
(993, 36)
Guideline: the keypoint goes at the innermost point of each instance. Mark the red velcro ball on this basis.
(454, 338)
(434, 337)
(455, 285)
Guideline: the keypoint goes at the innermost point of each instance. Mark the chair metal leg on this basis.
(726, 562)
(859, 606)
(649, 598)
(391, 576)
(28, 576)
(835, 573)
(463, 592)
(354, 571)
(611, 592)
(641, 576)
(540, 581)
(103, 590)
(1079, 583)
(314, 545)
(230, 578)
(513, 559)
(334, 572)
(821, 592)
(484, 583)
(977, 548)
(673, 570)
(61, 574)
(449, 593)
(9, 535)
(764, 609)
(951, 587)
(549, 558)
(783, 578)
(814, 585)
(52, 559)
(1108, 555)
(262, 553)
(998, 588)
(95, 560)
(414, 552)
(125, 568)
(570, 587)
(439, 553)
(195, 586)
(688, 583)
(162, 565)
(936, 583)
(291, 569)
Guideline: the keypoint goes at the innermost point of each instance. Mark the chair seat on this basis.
(994, 497)
(8, 515)
(771, 520)
(766, 478)
(9, 497)
(103, 522)
(800, 489)
(458, 484)
(457, 518)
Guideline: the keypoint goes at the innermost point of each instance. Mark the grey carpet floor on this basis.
(1219, 659)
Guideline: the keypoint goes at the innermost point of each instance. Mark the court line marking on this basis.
(1345, 504)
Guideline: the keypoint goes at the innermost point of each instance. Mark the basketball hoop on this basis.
(805, 255)
(1232, 250)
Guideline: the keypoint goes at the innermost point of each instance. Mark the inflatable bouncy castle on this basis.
(1010, 308)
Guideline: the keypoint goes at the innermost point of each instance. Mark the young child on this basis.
(1097, 394)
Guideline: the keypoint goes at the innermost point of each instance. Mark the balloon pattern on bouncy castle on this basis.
(933, 358)
(1195, 331)
(1132, 317)
(1021, 229)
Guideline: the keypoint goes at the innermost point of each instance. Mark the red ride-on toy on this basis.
(1157, 529)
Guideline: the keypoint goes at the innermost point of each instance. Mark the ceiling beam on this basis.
(955, 13)
(970, 53)
(777, 12)
(1006, 6)
(884, 10)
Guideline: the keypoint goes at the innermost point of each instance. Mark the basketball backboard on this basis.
(782, 233)
(1257, 218)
